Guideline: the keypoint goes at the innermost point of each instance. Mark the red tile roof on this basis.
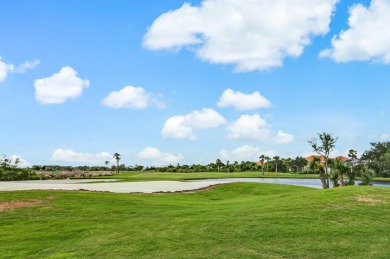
(310, 158)
(343, 158)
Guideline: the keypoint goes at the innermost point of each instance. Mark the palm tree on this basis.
(276, 158)
(106, 162)
(315, 167)
(340, 168)
(267, 158)
(117, 157)
(227, 166)
(352, 154)
(262, 157)
(218, 162)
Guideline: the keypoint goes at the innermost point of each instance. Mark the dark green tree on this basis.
(378, 158)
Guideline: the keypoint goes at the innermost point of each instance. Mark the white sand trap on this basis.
(107, 186)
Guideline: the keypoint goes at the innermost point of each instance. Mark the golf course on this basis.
(234, 220)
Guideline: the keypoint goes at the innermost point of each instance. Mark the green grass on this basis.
(143, 176)
(239, 220)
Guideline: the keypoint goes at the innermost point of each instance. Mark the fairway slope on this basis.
(248, 220)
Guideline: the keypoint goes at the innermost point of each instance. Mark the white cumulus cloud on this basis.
(132, 98)
(283, 137)
(5, 69)
(59, 87)
(368, 35)
(68, 155)
(249, 127)
(181, 126)
(241, 101)
(244, 153)
(158, 157)
(257, 35)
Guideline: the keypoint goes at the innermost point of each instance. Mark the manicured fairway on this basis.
(240, 220)
(142, 176)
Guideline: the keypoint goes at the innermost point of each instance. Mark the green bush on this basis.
(9, 171)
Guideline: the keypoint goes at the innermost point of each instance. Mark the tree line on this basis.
(376, 162)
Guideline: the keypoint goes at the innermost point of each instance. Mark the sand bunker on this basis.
(107, 186)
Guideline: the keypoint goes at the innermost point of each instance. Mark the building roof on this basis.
(343, 158)
(310, 158)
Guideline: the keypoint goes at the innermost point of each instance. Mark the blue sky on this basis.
(167, 82)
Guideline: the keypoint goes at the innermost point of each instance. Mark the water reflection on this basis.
(313, 183)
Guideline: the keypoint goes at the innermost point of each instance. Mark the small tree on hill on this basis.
(323, 146)
(340, 168)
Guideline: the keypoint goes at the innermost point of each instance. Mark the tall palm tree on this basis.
(218, 162)
(262, 158)
(267, 158)
(227, 166)
(352, 154)
(276, 158)
(117, 157)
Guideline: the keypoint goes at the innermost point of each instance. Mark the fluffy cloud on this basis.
(181, 126)
(158, 157)
(252, 36)
(244, 153)
(249, 127)
(59, 87)
(132, 98)
(67, 155)
(283, 137)
(5, 69)
(241, 101)
(368, 36)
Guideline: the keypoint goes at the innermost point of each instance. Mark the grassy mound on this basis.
(233, 220)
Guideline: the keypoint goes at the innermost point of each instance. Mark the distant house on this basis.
(342, 158)
(311, 158)
(352, 162)
(322, 158)
(259, 163)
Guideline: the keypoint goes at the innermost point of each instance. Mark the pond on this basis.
(313, 183)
